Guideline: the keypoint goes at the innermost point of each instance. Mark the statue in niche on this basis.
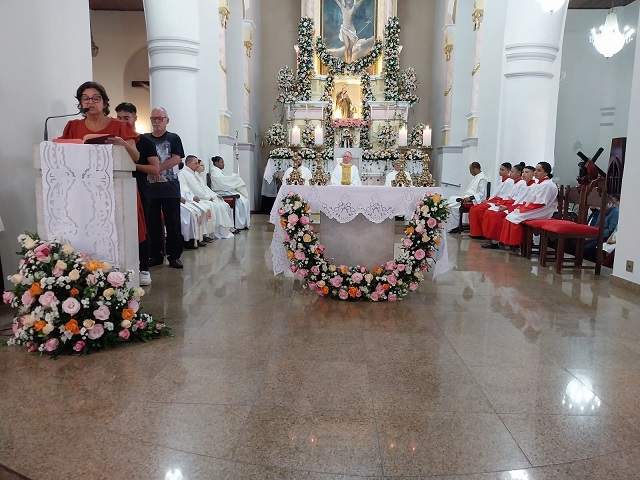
(346, 138)
(344, 103)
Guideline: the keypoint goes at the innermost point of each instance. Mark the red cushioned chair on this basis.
(593, 195)
(231, 200)
(533, 227)
(465, 207)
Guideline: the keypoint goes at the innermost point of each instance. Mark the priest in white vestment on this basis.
(222, 182)
(192, 221)
(475, 193)
(222, 216)
(391, 176)
(305, 173)
(346, 173)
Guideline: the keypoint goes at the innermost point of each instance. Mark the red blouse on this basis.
(78, 129)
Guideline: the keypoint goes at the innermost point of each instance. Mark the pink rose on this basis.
(141, 325)
(423, 266)
(116, 279)
(420, 203)
(42, 251)
(71, 306)
(315, 270)
(363, 269)
(356, 277)
(343, 294)
(299, 255)
(401, 267)
(304, 220)
(51, 344)
(280, 212)
(133, 305)
(432, 222)
(124, 333)
(311, 229)
(392, 297)
(79, 346)
(285, 237)
(358, 294)
(16, 327)
(320, 248)
(407, 243)
(390, 265)
(391, 279)
(419, 254)
(374, 296)
(413, 286)
(33, 348)
(91, 279)
(336, 281)
(293, 268)
(293, 219)
(57, 272)
(416, 217)
(102, 313)
(95, 332)
(27, 299)
(7, 297)
(312, 286)
(420, 229)
(379, 289)
(302, 273)
(441, 225)
(47, 298)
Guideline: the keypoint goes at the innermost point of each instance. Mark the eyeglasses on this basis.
(157, 119)
(94, 99)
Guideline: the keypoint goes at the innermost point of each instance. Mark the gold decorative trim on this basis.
(246, 87)
(477, 16)
(248, 45)
(448, 49)
(448, 91)
(475, 69)
(223, 67)
(225, 13)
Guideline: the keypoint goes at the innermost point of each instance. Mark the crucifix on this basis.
(589, 171)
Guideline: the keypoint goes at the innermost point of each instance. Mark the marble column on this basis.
(225, 114)
(173, 40)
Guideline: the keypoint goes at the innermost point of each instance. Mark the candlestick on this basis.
(402, 137)
(318, 135)
(426, 136)
(295, 135)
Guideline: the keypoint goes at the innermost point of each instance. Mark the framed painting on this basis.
(348, 27)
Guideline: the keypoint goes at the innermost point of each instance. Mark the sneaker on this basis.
(145, 279)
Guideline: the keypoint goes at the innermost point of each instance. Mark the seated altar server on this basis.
(391, 176)
(221, 213)
(221, 182)
(346, 173)
(508, 175)
(304, 172)
(475, 193)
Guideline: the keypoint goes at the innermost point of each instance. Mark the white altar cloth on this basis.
(344, 203)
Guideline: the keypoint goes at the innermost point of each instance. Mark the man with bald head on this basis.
(164, 192)
(346, 173)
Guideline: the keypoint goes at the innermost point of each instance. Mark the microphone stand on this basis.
(46, 131)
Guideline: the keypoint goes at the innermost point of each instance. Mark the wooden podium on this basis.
(86, 195)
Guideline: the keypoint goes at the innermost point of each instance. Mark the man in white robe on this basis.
(304, 172)
(391, 176)
(192, 221)
(346, 173)
(221, 214)
(221, 182)
(475, 193)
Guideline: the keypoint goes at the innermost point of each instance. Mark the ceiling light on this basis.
(608, 39)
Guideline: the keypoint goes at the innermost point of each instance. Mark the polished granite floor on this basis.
(497, 370)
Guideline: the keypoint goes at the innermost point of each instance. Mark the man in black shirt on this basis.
(164, 191)
(148, 164)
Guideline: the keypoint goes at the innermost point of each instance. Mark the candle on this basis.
(402, 137)
(426, 136)
(295, 135)
(318, 135)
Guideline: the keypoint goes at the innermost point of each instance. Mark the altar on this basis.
(358, 217)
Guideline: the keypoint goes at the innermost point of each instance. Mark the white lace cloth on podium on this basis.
(79, 198)
(343, 203)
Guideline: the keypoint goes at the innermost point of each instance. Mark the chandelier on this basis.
(552, 5)
(608, 39)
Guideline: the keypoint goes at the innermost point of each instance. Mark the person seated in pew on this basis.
(391, 176)
(221, 182)
(495, 215)
(590, 247)
(508, 175)
(475, 193)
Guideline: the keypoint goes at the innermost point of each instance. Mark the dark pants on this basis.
(169, 208)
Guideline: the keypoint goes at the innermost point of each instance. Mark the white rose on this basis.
(138, 292)
(106, 266)
(29, 243)
(48, 328)
(28, 320)
(61, 265)
(67, 249)
(297, 205)
(125, 323)
(16, 278)
(108, 326)
(74, 275)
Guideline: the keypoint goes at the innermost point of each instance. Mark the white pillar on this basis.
(225, 114)
(533, 39)
(44, 83)
(173, 40)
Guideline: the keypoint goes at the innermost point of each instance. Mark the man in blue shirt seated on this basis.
(610, 224)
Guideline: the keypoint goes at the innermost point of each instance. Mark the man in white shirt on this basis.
(346, 173)
(304, 172)
(221, 215)
(391, 176)
(222, 182)
(475, 193)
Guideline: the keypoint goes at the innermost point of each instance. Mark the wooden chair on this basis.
(533, 227)
(231, 200)
(465, 207)
(593, 195)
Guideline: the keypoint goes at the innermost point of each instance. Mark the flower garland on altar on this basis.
(340, 67)
(286, 85)
(391, 281)
(367, 96)
(305, 58)
(277, 135)
(67, 303)
(284, 153)
(408, 84)
(375, 155)
(306, 153)
(307, 135)
(414, 155)
(391, 57)
(415, 136)
(327, 96)
(387, 136)
(348, 123)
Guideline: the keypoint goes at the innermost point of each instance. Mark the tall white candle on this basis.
(318, 135)
(426, 136)
(402, 137)
(295, 135)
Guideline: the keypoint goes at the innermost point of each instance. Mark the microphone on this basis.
(46, 131)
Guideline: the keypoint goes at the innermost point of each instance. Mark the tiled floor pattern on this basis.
(497, 370)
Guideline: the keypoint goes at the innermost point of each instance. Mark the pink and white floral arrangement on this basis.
(389, 282)
(68, 303)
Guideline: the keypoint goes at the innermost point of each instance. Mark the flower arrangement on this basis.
(307, 135)
(283, 153)
(367, 96)
(67, 303)
(387, 136)
(286, 85)
(305, 59)
(340, 67)
(389, 282)
(277, 135)
(414, 155)
(391, 57)
(307, 153)
(415, 136)
(327, 154)
(348, 122)
(329, 86)
(374, 155)
(407, 86)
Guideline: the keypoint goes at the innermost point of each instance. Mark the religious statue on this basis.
(346, 138)
(348, 33)
(343, 101)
